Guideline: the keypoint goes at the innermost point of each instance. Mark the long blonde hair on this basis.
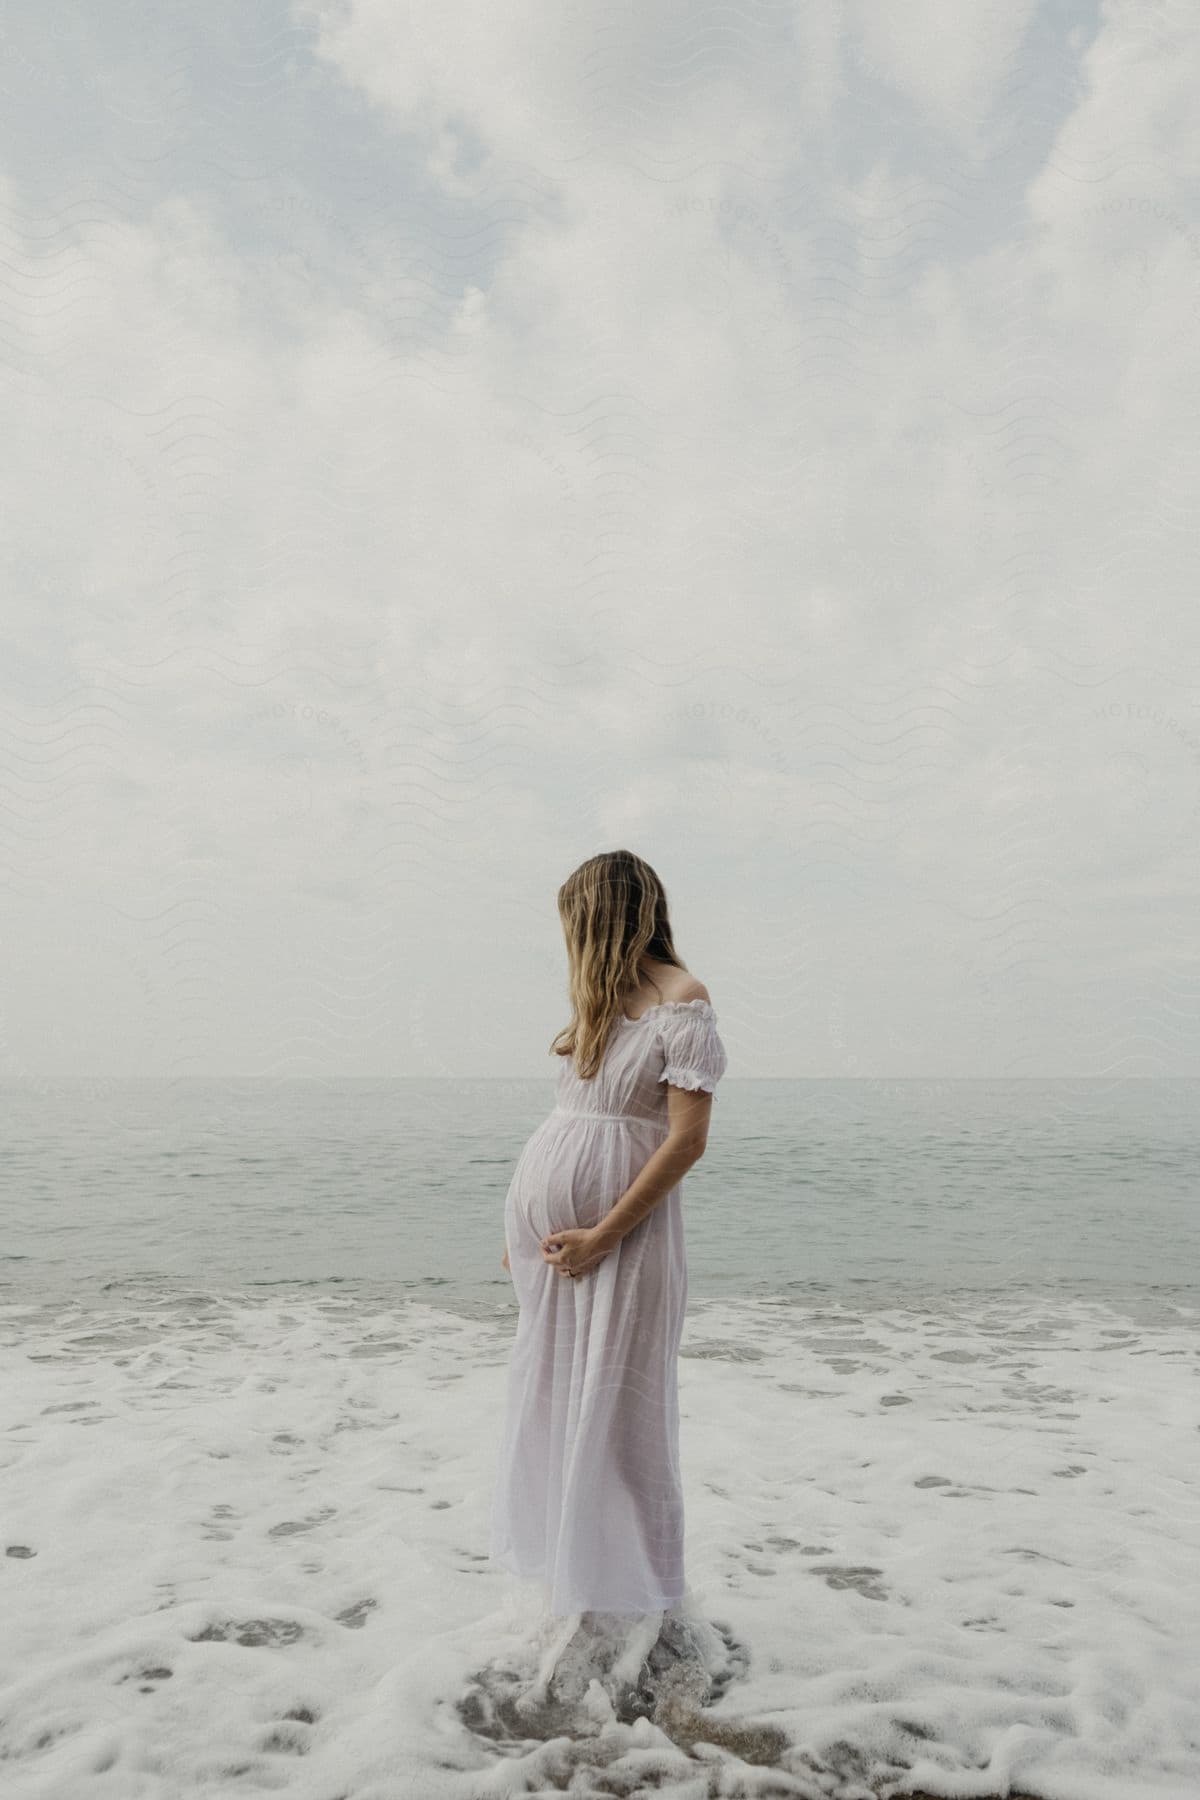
(613, 909)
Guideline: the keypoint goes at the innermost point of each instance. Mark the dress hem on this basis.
(607, 1605)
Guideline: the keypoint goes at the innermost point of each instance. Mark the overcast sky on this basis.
(443, 443)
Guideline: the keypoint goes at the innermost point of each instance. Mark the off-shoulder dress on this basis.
(588, 1498)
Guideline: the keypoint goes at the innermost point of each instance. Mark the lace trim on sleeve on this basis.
(689, 1078)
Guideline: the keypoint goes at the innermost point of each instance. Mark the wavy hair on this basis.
(613, 910)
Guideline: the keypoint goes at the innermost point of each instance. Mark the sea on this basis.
(883, 1191)
(940, 1443)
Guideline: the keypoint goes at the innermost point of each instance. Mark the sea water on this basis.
(940, 1443)
(809, 1188)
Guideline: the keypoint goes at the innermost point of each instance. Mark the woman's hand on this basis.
(504, 1259)
(572, 1252)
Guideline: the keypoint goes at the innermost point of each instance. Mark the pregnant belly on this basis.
(573, 1171)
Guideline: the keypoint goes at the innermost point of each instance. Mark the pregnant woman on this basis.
(588, 1499)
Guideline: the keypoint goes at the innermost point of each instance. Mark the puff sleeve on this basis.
(693, 1053)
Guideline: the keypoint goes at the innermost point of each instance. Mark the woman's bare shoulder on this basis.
(689, 988)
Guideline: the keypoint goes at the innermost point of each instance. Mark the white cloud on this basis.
(639, 451)
(956, 64)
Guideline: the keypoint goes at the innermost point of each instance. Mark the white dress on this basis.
(588, 1498)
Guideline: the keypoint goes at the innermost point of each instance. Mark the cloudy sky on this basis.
(446, 442)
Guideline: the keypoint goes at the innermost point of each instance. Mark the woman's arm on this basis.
(688, 1114)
